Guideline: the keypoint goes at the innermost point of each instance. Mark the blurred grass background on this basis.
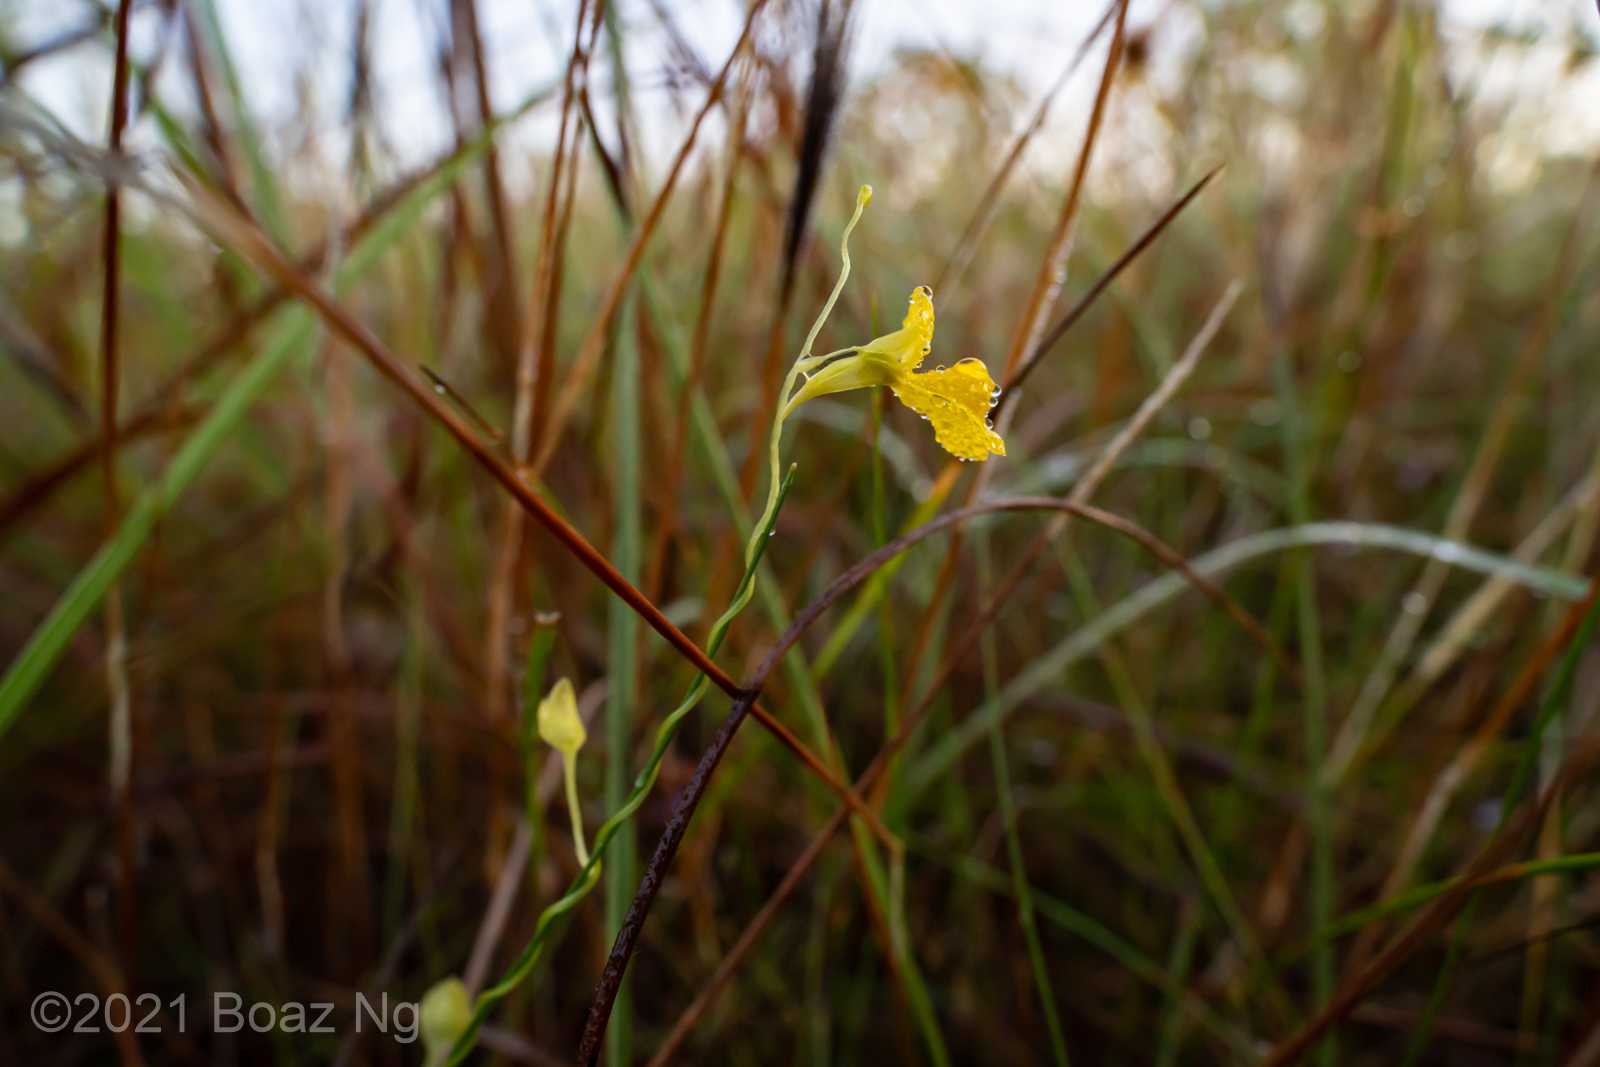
(286, 752)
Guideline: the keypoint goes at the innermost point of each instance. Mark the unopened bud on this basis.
(559, 724)
(446, 1014)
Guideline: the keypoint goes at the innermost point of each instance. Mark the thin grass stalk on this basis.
(623, 651)
(880, 535)
(1179, 960)
(1419, 895)
(501, 301)
(533, 362)
(1422, 1032)
(887, 905)
(265, 201)
(120, 717)
(211, 122)
(282, 727)
(536, 360)
(1297, 447)
(1008, 819)
(540, 646)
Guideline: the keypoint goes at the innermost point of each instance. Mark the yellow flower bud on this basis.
(446, 1013)
(559, 724)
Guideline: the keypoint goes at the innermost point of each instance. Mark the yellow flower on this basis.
(559, 724)
(955, 399)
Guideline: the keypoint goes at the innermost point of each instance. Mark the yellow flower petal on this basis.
(957, 401)
(908, 345)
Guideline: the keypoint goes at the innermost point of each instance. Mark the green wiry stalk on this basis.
(1178, 968)
(623, 656)
(1297, 443)
(1008, 813)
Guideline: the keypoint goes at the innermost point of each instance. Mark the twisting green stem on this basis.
(805, 360)
(589, 874)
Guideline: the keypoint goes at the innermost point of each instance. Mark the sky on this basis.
(526, 40)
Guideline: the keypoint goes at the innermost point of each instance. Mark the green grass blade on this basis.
(621, 859)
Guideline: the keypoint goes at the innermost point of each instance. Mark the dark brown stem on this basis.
(628, 936)
(1070, 318)
(109, 365)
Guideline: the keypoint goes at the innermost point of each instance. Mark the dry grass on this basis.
(332, 784)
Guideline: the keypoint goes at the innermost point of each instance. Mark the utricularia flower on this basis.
(561, 728)
(955, 399)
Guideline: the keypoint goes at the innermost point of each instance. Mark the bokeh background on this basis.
(273, 639)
